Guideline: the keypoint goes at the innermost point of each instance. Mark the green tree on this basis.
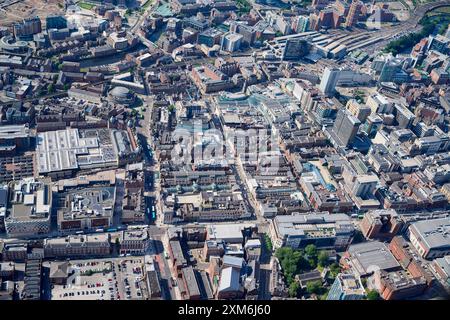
(243, 6)
(311, 250)
(303, 263)
(335, 268)
(312, 262)
(89, 273)
(322, 258)
(289, 260)
(314, 287)
(294, 289)
(268, 242)
(324, 296)
(66, 87)
(50, 88)
(373, 295)
(311, 255)
(283, 252)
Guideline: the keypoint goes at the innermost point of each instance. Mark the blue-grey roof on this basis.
(236, 262)
(120, 92)
(370, 256)
(435, 233)
(229, 280)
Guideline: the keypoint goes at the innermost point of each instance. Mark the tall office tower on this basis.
(346, 287)
(353, 13)
(326, 18)
(329, 80)
(390, 70)
(300, 24)
(341, 7)
(345, 127)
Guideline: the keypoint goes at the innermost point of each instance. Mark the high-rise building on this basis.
(358, 110)
(27, 28)
(346, 287)
(379, 104)
(329, 80)
(392, 71)
(301, 24)
(372, 125)
(231, 42)
(326, 18)
(353, 13)
(439, 43)
(248, 34)
(345, 128)
(342, 7)
(283, 25)
(210, 37)
(56, 22)
(364, 185)
(403, 116)
(314, 22)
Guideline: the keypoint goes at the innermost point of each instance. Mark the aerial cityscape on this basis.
(224, 150)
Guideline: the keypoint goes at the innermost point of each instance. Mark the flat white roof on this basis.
(227, 231)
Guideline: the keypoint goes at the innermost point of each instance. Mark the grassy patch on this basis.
(147, 4)
(85, 5)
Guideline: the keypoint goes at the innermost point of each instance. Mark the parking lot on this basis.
(128, 276)
(103, 279)
(91, 280)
